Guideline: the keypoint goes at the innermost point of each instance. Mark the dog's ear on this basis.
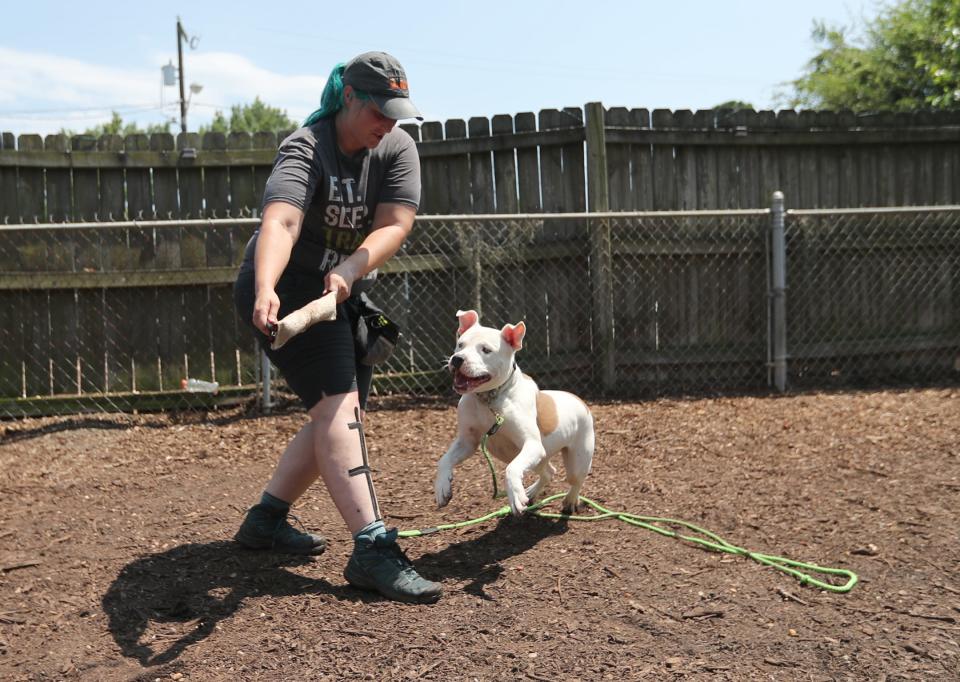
(467, 319)
(513, 334)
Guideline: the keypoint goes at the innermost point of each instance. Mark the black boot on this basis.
(380, 565)
(266, 527)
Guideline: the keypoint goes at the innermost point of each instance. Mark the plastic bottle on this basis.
(199, 386)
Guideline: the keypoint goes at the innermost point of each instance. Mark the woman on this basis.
(339, 202)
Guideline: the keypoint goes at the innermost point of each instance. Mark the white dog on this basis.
(536, 424)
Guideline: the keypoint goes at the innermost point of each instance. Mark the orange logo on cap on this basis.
(397, 83)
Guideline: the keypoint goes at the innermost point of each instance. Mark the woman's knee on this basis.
(340, 406)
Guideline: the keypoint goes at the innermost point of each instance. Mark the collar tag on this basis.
(497, 423)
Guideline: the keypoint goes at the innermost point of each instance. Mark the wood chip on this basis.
(869, 550)
(22, 564)
(930, 616)
(792, 597)
(703, 614)
(780, 663)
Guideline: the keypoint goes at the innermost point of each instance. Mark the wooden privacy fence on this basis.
(115, 314)
(527, 163)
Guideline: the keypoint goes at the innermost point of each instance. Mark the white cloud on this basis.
(42, 92)
(230, 79)
(34, 76)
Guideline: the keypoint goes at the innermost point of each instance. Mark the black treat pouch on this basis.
(376, 335)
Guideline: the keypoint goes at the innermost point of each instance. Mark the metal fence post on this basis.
(779, 292)
(601, 252)
(265, 375)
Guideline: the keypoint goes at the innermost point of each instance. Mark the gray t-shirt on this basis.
(338, 194)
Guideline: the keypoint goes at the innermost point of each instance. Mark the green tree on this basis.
(116, 126)
(220, 124)
(734, 104)
(909, 58)
(942, 60)
(251, 118)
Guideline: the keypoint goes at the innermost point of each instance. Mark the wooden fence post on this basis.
(601, 259)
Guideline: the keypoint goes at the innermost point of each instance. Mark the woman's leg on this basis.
(265, 525)
(337, 435)
(377, 562)
(297, 469)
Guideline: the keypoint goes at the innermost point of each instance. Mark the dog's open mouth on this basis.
(464, 384)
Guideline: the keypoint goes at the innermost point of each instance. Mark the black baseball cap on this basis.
(381, 76)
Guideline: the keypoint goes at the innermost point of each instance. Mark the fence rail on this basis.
(113, 316)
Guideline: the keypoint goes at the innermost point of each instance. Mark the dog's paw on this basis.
(443, 489)
(571, 503)
(518, 499)
(515, 492)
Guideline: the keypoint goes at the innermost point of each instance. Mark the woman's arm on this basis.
(391, 225)
(279, 231)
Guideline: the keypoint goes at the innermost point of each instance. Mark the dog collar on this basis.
(487, 397)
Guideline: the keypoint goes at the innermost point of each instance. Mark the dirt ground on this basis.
(116, 561)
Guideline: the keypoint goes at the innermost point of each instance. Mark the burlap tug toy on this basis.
(320, 310)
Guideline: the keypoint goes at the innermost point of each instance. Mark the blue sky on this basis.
(67, 65)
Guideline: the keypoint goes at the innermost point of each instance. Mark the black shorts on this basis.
(320, 361)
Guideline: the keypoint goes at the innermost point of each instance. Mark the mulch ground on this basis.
(116, 561)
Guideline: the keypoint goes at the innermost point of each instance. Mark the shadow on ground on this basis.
(161, 604)
(197, 586)
(479, 559)
(13, 432)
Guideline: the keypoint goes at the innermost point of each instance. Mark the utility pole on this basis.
(181, 34)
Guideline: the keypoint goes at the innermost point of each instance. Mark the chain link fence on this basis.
(670, 301)
(115, 316)
(873, 295)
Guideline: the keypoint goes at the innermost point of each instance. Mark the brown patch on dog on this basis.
(502, 448)
(546, 414)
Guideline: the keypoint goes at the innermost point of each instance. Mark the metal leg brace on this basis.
(364, 469)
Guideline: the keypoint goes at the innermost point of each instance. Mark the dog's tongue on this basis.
(460, 380)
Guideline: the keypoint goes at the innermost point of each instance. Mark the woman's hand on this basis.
(391, 225)
(265, 310)
(278, 233)
(341, 280)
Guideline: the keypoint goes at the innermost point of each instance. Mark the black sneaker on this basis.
(380, 565)
(265, 528)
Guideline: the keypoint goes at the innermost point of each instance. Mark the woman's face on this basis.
(364, 125)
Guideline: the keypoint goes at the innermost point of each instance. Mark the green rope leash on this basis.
(497, 423)
(798, 569)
